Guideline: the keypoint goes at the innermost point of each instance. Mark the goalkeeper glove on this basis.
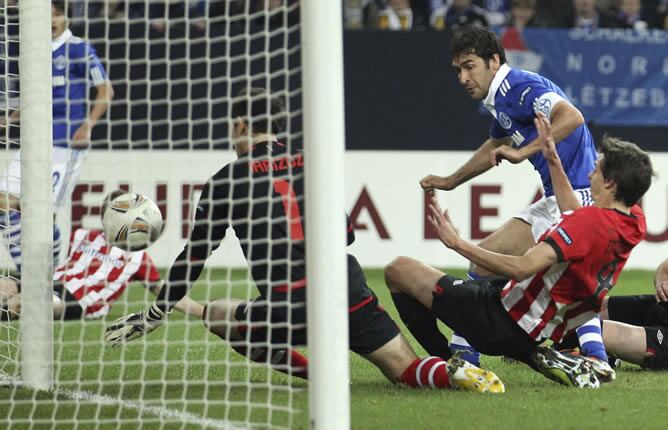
(135, 325)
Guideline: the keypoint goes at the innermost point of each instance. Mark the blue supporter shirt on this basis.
(75, 67)
(514, 98)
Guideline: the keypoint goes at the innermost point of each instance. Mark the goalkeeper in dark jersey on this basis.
(261, 196)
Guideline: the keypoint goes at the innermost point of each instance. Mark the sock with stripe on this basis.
(458, 343)
(422, 325)
(430, 372)
(591, 339)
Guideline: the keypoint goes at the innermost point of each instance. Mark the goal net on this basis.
(162, 77)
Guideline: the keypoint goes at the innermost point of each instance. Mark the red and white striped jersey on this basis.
(96, 273)
(592, 246)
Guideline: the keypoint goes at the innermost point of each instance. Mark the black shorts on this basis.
(473, 310)
(275, 322)
(645, 311)
(73, 309)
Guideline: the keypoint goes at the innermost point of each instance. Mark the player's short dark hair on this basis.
(473, 39)
(109, 197)
(628, 166)
(62, 7)
(260, 110)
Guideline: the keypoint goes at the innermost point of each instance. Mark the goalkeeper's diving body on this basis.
(260, 195)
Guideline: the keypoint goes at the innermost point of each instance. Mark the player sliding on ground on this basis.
(261, 196)
(555, 286)
(92, 278)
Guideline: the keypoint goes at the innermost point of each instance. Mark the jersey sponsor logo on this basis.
(542, 105)
(524, 94)
(86, 248)
(58, 81)
(659, 337)
(564, 236)
(504, 120)
(59, 62)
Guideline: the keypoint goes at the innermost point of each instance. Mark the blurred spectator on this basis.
(629, 15)
(385, 14)
(497, 12)
(661, 10)
(455, 14)
(396, 15)
(587, 15)
(523, 14)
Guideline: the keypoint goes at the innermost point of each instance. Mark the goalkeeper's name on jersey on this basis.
(279, 164)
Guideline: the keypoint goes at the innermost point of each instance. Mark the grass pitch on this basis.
(164, 382)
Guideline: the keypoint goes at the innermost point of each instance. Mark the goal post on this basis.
(36, 193)
(322, 63)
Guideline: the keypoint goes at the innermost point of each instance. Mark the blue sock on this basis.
(591, 339)
(458, 343)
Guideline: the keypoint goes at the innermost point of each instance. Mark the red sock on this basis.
(427, 372)
(286, 361)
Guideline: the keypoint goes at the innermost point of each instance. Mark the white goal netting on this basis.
(163, 87)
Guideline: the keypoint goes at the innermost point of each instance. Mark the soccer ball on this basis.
(132, 222)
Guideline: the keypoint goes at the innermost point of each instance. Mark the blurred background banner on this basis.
(614, 76)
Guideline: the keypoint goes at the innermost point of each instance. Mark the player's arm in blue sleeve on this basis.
(211, 222)
(94, 73)
(564, 117)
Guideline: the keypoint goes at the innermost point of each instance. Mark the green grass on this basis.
(193, 377)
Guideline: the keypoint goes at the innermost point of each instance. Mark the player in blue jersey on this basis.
(75, 69)
(514, 97)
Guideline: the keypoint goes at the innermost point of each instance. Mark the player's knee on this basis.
(394, 272)
(217, 317)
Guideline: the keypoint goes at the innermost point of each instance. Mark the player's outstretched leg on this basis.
(11, 230)
(219, 319)
(565, 368)
(398, 361)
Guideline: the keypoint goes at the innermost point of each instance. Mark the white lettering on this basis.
(657, 98)
(574, 62)
(665, 66)
(639, 66)
(605, 95)
(639, 97)
(588, 95)
(58, 81)
(606, 64)
(622, 100)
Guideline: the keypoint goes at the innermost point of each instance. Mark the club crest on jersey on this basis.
(504, 120)
(59, 62)
(542, 105)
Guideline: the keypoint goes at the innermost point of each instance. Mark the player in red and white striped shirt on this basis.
(94, 275)
(557, 285)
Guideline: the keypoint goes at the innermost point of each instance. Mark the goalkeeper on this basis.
(261, 196)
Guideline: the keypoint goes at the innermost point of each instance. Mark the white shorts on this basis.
(545, 212)
(66, 169)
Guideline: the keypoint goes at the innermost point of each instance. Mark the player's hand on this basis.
(506, 153)
(662, 291)
(545, 139)
(81, 137)
(134, 325)
(444, 227)
(433, 182)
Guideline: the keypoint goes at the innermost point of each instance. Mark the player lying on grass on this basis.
(514, 98)
(555, 286)
(93, 277)
(261, 196)
(635, 326)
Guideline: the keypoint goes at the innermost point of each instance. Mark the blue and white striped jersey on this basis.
(514, 98)
(75, 67)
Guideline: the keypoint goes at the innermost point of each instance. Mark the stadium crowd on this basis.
(452, 14)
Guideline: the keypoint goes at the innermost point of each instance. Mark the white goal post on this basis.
(36, 193)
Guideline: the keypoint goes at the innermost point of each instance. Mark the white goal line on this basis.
(159, 411)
